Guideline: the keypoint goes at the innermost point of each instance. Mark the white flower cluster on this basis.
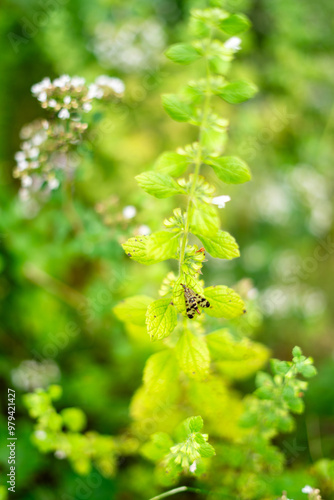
(48, 147)
(68, 96)
(135, 46)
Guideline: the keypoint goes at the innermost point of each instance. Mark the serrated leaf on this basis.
(193, 355)
(171, 163)
(297, 352)
(158, 184)
(238, 359)
(230, 169)
(182, 53)
(162, 245)
(161, 319)
(178, 292)
(195, 423)
(220, 245)
(176, 108)
(161, 371)
(133, 310)
(204, 219)
(280, 367)
(235, 24)
(308, 371)
(237, 91)
(224, 302)
(136, 249)
(206, 450)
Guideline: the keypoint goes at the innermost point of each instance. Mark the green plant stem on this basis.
(177, 490)
(198, 164)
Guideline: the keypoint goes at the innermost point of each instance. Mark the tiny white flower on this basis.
(233, 43)
(40, 435)
(38, 138)
(64, 114)
(26, 181)
(129, 212)
(78, 81)
(34, 164)
(87, 106)
(60, 454)
(20, 156)
(53, 183)
(193, 467)
(42, 96)
(67, 99)
(22, 165)
(94, 92)
(144, 230)
(33, 153)
(307, 489)
(52, 103)
(220, 200)
(115, 84)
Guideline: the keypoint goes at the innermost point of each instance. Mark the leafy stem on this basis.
(198, 162)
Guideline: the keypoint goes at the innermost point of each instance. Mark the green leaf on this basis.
(133, 310)
(195, 424)
(163, 245)
(280, 367)
(171, 163)
(206, 450)
(137, 249)
(204, 219)
(182, 53)
(235, 24)
(308, 371)
(238, 91)
(230, 169)
(176, 108)
(221, 245)
(161, 319)
(153, 248)
(224, 302)
(297, 352)
(74, 419)
(193, 355)
(161, 371)
(237, 359)
(158, 184)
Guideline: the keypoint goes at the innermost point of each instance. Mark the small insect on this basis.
(193, 301)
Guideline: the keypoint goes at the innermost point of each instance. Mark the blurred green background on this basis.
(57, 292)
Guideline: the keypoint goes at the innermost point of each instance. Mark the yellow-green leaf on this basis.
(133, 310)
(224, 302)
(193, 355)
(221, 245)
(161, 319)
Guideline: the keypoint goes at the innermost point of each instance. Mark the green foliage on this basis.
(82, 450)
(193, 355)
(161, 319)
(230, 169)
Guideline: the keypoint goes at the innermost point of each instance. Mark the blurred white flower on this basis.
(60, 454)
(144, 230)
(94, 92)
(193, 467)
(220, 200)
(52, 103)
(64, 114)
(129, 212)
(233, 43)
(67, 99)
(87, 106)
(42, 97)
(40, 435)
(53, 183)
(26, 181)
(307, 489)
